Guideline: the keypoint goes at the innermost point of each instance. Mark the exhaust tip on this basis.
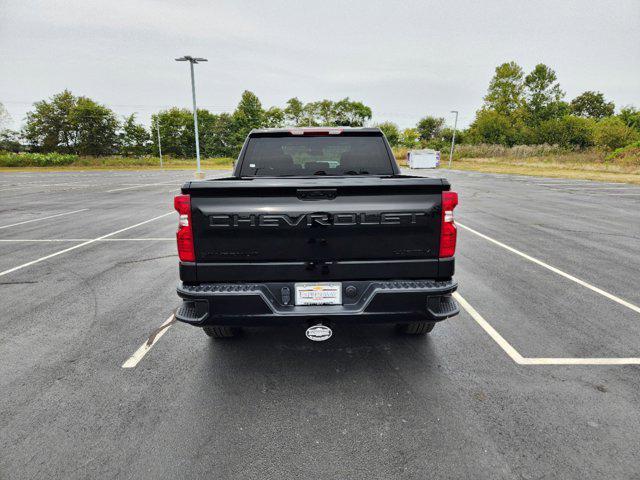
(319, 333)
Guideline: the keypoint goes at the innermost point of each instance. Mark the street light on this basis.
(191, 61)
(453, 139)
(159, 142)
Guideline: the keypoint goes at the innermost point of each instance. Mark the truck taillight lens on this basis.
(448, 232)
(182, 204)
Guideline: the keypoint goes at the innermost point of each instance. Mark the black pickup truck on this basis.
(316, 227)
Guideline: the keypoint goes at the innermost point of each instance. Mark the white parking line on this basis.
(499, 339)
(581, 361)
(139, 354)
(88, 242)
(38, 240)
(594, 189)
(574, 184)
(520, 360)
(43, 218)
(593, 288)
(48, 240)
(577, 186)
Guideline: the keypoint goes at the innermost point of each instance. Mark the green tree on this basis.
(247, 116)
(447, 134)
(311, 115)
(325, 112)
(492, 127)
(176, 132)
(48, 127)
(96, 128)
(134, 139)
(568, 131)
(294, 112)
(505, 89)
(73, 125)
(612, 133)
(429, 128)
(10, 141)
(274, 118)
(249, 113)
(220, 143)
(351, 114)
(410, 138)
(543, 95)
(391, 131)
(592, 105)
(631, 117)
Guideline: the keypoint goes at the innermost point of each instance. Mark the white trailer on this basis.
(426, 158)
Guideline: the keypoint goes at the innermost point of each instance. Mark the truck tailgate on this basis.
(265, 229)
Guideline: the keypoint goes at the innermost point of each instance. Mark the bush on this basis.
(611, 132)
(10, 141)
(627, 155)
(484, 150)
(59, 160)
(36, 159)
(391, 131)
(491, 127)
(567, 131)
(400, 153)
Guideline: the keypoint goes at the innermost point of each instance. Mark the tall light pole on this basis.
(453, 139)
(159, 143)
(191, 61)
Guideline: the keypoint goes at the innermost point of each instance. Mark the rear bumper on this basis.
(261, 304)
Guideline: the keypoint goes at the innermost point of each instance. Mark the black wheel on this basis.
(416, 328)
(221, 332)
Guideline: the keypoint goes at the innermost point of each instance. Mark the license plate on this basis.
(318, 294)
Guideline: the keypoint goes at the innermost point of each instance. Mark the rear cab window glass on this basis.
(276, 156)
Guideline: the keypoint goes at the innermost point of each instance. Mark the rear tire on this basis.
(221, 332)
(416, 328)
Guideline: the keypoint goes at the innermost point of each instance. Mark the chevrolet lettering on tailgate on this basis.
(310, 219)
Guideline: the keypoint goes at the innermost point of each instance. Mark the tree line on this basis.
(519, 109)
(530, 109)
(81, 126)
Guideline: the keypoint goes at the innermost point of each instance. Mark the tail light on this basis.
(182, 204)
(448, 232)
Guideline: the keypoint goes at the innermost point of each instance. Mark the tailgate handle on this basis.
(317, 194)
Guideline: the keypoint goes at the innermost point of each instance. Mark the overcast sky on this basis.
(404, 59)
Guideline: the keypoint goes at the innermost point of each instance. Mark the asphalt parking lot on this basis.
(538, 377)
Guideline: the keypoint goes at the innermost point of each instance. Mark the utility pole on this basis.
(159, 144)
(192, 61)
(453, 139)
